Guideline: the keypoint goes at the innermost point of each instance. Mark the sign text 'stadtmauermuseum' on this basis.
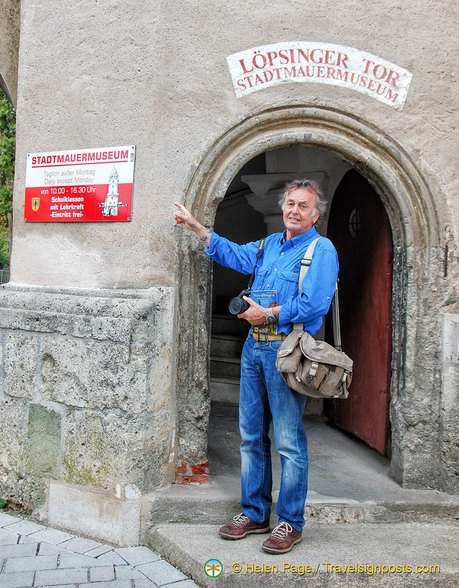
(82, 185)
(323, 63)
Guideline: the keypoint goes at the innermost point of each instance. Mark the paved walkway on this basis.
(34, 555)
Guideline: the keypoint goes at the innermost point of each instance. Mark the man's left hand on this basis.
(255, 314)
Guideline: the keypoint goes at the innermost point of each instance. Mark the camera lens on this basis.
(237, 305)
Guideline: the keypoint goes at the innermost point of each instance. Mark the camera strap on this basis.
(252, 277)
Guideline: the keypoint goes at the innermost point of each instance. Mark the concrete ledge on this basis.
(95, 513)
(400, 547)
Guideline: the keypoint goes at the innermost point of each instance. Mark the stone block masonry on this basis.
(86, 381)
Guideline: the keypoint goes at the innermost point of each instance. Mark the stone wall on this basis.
(87, 399)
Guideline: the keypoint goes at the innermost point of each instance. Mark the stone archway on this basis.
(415, 229)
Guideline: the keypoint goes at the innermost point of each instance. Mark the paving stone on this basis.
(25, 527)
(18, 550)
(27, 539)
(112, 584)
(26, 564)
(81, 544)
(53, 536)
(112, 558)
(67, 559)
(161, 572)
(8, 538)
(99, 551)
(16, 580)
(102, 574)
(7, 519)
(137, 555)
(54, 577)
(145, 583)
(48, 549)
(127, 573)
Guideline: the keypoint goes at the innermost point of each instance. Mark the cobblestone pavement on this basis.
(34, 555)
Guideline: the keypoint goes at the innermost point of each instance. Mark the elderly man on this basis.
(264, 396)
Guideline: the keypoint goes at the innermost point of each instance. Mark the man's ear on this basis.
(316, 217)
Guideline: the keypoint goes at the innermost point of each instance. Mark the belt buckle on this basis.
(266, 337)
(259, 336)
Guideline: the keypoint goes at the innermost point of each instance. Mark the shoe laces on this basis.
(240, 519)
(282, 530)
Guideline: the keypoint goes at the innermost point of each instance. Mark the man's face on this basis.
(298, 208)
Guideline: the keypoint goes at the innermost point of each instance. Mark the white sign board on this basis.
(323, 63)
(80, 185)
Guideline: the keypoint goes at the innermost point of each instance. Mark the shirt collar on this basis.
(300, 239)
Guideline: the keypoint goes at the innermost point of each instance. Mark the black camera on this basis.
(238, 305)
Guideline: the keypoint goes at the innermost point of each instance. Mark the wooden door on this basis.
(360, 230)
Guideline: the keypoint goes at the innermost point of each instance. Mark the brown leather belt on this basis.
(265, 337)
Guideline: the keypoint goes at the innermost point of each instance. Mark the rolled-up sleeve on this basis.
(238, 257)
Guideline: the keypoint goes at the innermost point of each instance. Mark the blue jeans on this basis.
(265, 397)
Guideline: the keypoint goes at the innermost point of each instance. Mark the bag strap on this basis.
(305, 263)
(252, 277)
(336, 321)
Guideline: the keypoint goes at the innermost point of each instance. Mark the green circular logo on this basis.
(213, 568)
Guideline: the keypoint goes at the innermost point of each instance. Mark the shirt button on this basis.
(282, 253)
(275, 269)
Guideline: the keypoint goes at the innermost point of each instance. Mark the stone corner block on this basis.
(95, 513)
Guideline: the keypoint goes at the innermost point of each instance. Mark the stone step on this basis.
(229, 325)
(224, 391)
(401, 554)
(226, 346)
(226, 367)
(216, 502)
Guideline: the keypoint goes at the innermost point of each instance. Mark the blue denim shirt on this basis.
(279, 269)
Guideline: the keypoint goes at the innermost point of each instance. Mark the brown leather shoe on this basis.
(240, 526)
(282, 539)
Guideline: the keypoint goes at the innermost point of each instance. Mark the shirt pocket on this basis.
(289, 276)
(262, 273)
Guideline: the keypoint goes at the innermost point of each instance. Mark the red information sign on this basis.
(82, 185)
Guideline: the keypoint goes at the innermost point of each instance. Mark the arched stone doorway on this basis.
(415, 233)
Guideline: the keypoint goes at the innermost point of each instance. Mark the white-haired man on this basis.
(264, 396)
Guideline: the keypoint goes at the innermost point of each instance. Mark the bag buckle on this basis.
(314, 368)
(312, 371)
